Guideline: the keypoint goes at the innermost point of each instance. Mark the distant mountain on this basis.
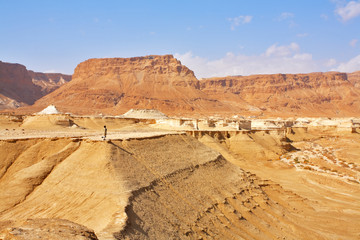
(116, 85)
(314, 94)
(354, 78)
(20, 87)
(49, 81)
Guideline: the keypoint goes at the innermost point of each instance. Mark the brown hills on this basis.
(16, 84)
(48, 81)
(20, 87)
(119, 84)
(115, 85)
(313, 94)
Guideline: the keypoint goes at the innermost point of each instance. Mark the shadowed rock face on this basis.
(20, 87)
(49, 81)
(15, 83)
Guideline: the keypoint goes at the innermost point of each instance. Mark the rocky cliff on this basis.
(115, 85)
(354, 78)
(16, 84)
(20, 87)
(314, 94)
(49, 81)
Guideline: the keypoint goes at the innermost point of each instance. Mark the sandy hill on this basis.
(313, 94)
(145, 113)
(169, 187)
(20, 87)
(115, 85)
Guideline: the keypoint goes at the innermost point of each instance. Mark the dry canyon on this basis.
(236, 157)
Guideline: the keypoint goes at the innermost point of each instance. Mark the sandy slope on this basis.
(333, 198)
(172, 186)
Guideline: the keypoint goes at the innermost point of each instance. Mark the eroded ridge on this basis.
(160, 187)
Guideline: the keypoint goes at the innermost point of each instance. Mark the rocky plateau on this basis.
(115, 85)
(139, 148)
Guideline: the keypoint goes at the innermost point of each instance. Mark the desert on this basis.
(194, 120)
(181, 162)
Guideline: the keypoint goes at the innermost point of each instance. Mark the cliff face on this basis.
(20, 87)
(48, 81)
(16, 84)
(117, 84)
(314, 94)
(354, 78)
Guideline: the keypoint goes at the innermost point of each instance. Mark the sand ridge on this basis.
(147, 183)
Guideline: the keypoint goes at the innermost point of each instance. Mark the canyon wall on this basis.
(116, 85)
(21, 87)
(313, 94)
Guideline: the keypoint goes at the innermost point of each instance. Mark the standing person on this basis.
(105, 132)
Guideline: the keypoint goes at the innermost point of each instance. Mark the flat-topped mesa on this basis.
(115, 85)
(177, 74)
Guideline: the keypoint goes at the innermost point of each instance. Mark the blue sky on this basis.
(213, 38)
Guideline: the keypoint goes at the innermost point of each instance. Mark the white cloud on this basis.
(331, 62)
(324, 17)
(353, 42)
(276, 59)
(236, 21)
(301, 35)
(351, 66)
(349, 11)
(282, 51)
(285, 15)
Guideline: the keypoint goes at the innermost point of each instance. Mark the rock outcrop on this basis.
(55, 229)
(314, 94)
(115, 85)
(49, 81)
(354, 78)
(16, 83)
(20, 87)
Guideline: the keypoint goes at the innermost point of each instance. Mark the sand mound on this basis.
(169, 187)
(55, 229)
(46, 121)
(145, 114)
(51, 109)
